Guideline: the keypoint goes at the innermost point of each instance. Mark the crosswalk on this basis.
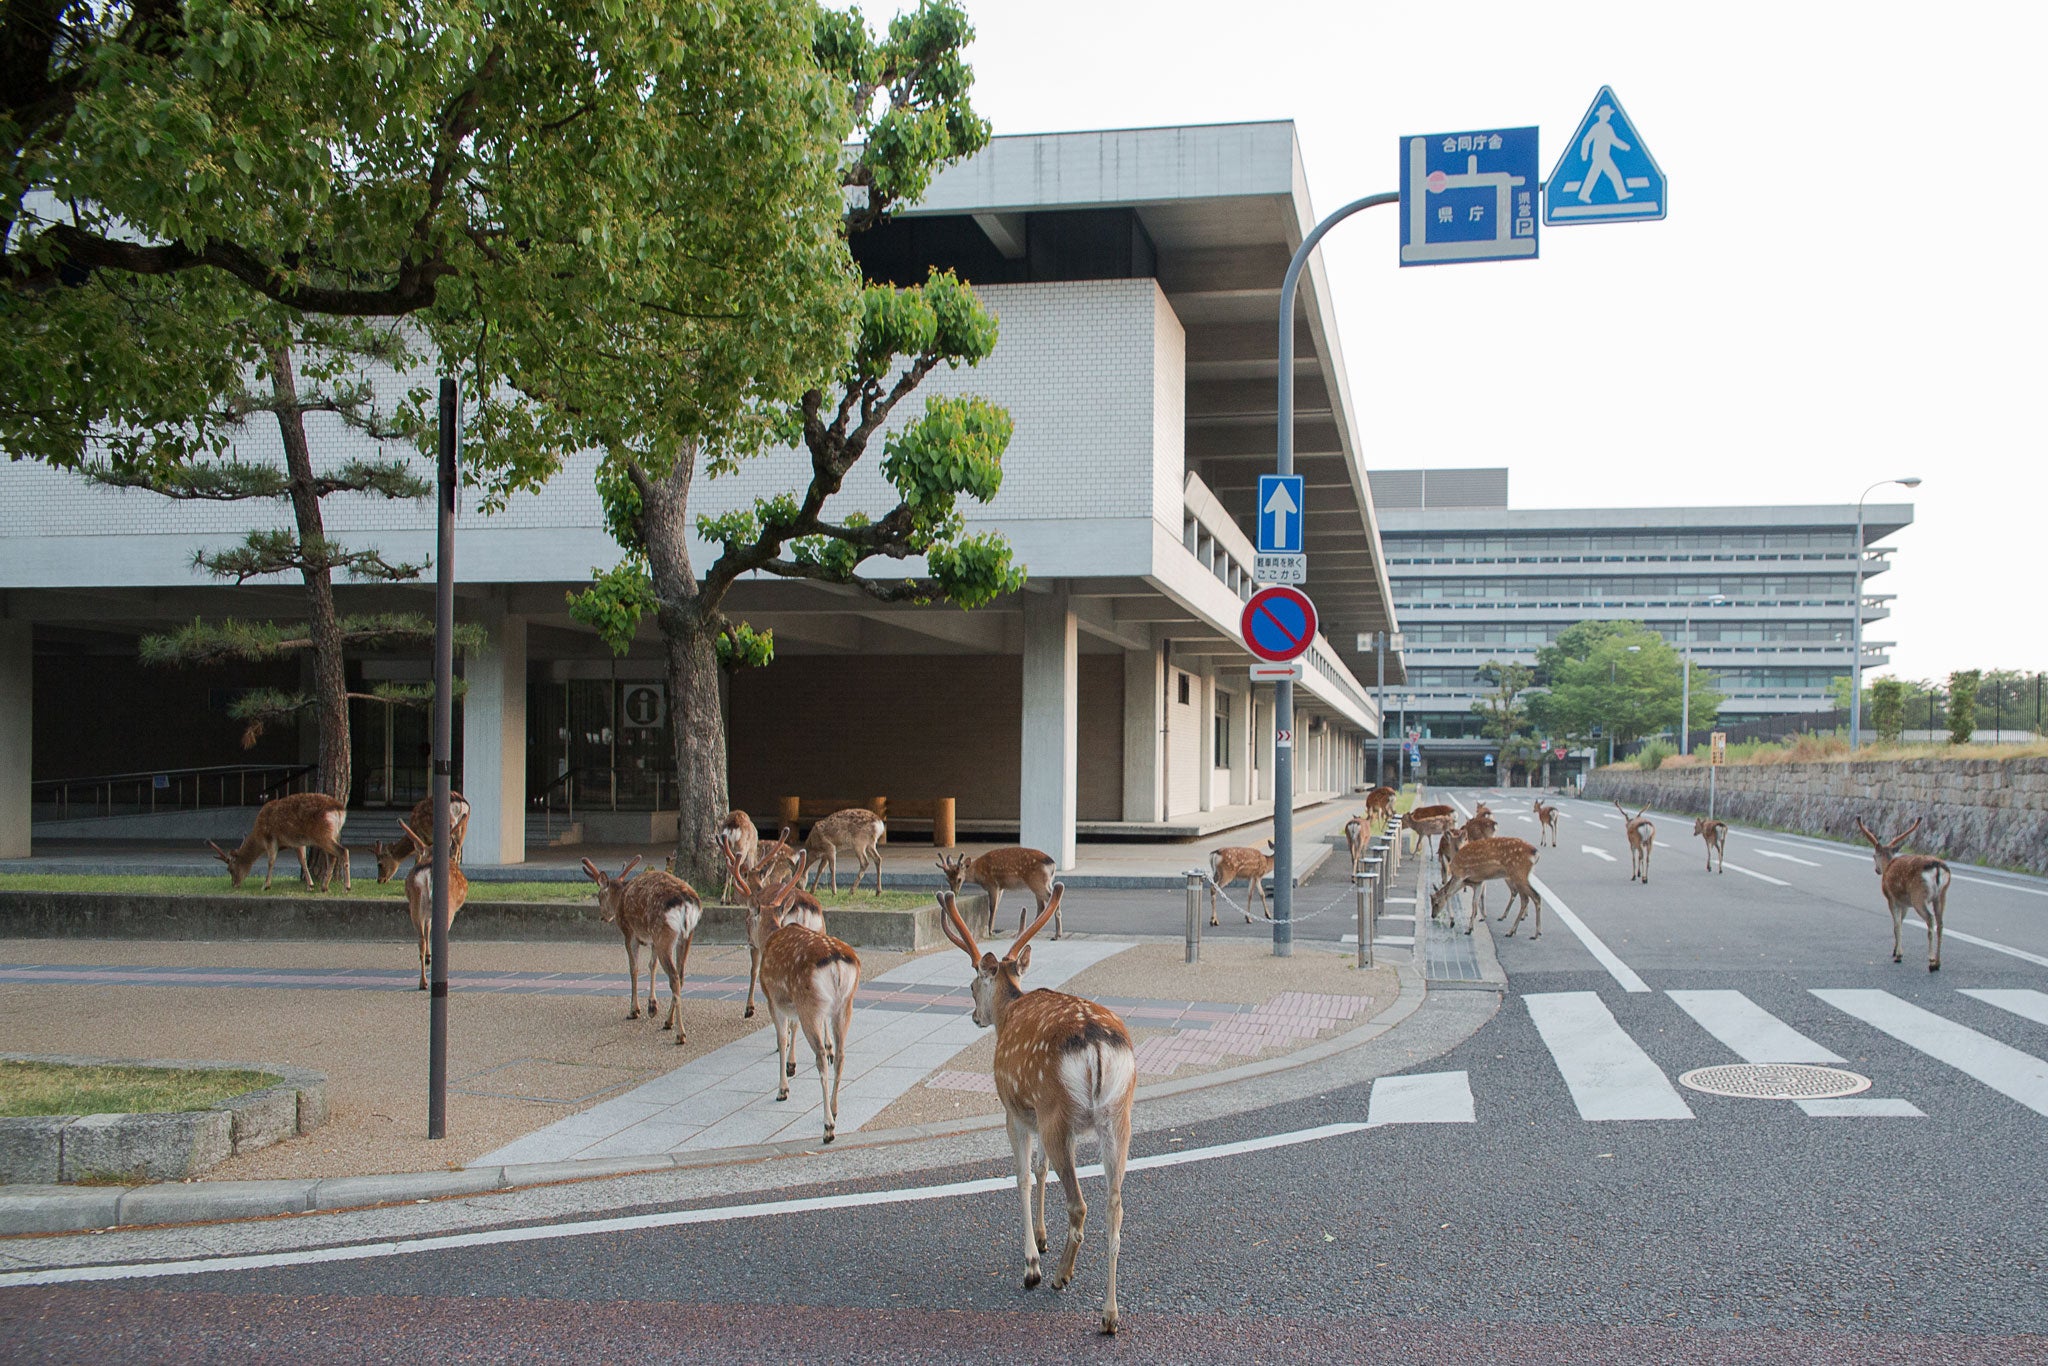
(1611, 1076)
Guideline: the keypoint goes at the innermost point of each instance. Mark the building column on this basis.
(1048, 785)
(1240, 757)
(1206, 765)
(17, 693)
(494, 743)
(1144, 735)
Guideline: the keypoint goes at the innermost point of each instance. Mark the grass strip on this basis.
(54, 1088)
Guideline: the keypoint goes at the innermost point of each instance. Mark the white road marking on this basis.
(1525, 818)
(2002, 886)
(2003, 1068)
(2029, 1005)
(1861, 1107)
(1752, 1033)
(1809, 848)
(1431, 1098)
(1994, 946)
(1608, 1073)
(1789, 858)
(1383, 940)
(1618, 970)
(1760, 877)
(1596, 853)
(1597, 825)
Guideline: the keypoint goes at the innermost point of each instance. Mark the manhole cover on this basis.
(1775, 1081)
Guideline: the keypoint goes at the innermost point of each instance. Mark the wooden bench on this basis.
(794, 811)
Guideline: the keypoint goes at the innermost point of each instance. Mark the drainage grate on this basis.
(1775, 1081)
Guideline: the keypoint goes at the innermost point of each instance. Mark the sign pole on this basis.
(444, 731)
(1283, 691)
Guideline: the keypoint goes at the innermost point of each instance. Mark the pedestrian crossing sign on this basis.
(1605, 174)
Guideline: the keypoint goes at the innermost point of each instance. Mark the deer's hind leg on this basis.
(1059, 1148)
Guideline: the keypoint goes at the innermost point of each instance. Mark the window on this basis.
(1222, 726)
(1183, 690)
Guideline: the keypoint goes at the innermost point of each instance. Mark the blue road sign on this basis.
(1468, 197)
(1280, 514)
(1278, 624)
(1605, 174)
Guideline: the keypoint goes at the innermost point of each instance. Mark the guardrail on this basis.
(170, 789)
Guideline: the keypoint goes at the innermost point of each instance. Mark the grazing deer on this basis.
(1546, 823)
(856, 829)
(1065, 1067)
(1228, 864)
(1478, 862)
(1715, 833)
(785, 897)
(809, 979)
(1914, 880)
(1425, 821)
(300, 821)
(1380, 801)
(411, 842)
(419, 894)
(1000, 870)
(1642, 837)
(740, 841)
(658, 911)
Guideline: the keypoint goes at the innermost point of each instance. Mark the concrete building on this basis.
(1769, 592)
(1136, 278)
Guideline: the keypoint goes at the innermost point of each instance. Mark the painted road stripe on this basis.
(1608, 1073)
(1751, 1033)
(1760, 877)
(1789, 858)
(1596, 853)
(2030, 1005)
(1431, 1098)
(1597, 825)
(1618, 970)
(1861, 1107)
(2020, 1076)
(1994, 946)
(2002, 886)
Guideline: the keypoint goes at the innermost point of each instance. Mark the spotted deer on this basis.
(1228, 864)
(416, 831)
(856, 830)
(1546, 823)
(1480, 861)
(1426, 821)
(1482, 826)
(1715, 833)
(1915, 881)
(419, 893)
(810, 980)
(301, 821)
(1001, 870)
(1065, 1067)
(784, 896)
(1380, 802)
(740, 841)
(1642, 837)
(656, 911)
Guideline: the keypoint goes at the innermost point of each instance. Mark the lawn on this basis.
(50, 1088)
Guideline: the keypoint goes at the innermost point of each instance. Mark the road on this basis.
(1556, 1195)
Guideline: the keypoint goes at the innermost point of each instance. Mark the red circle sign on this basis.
(1279, 624)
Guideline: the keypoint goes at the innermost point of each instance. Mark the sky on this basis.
(1849, 286)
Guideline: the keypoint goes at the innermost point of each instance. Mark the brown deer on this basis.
(1642, 837)
(855, 829)
(1065, 1067)
(1358, 832)
(1380, 801)
(1000, 870)
(1715, 833)
(1917, 881)
(421, 822)
(1228, 864)
(810, 979)
(738, 837)
(1546, 823)
(1426, 821)
(657, 911)
(1478, 862)
(1482, 826)
(301, 821)
(419, 894)
(785, 897)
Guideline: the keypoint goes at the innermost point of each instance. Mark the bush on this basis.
(1888, 710)
(1653, 755)
(1962, 704)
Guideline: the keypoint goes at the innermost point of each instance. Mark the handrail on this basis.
(101, 788)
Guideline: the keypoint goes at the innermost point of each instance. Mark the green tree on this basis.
(907, 93)
(1962, 704)
(1888, 709)
(1501, 712)
(1620, 676)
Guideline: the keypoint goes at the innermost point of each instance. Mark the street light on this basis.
(1633, 649)
(1856, 609)
(1685, 687)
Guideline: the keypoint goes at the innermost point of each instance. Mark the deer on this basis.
(419, 893)
(1425, 821)
(301, 821)
(1480, 861)
(1000, 870)
(857, 829)
(1715, 833)
(1228, 864)
(389, 856)
(737, 836)
(1356, 838)
(1065, 1067)
(1380, 801)
(1546, 823)
(810, 979)
(657, 911)
(791, 904)
(1918, 881)
(1642, 837)
(1482, 826)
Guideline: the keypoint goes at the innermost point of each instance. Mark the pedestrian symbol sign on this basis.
(1605, 174)
(1468, 196)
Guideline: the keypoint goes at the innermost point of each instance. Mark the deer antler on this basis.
(956, 928)
(596, 873)
(631, 864)
(1059, 889)
(1900, 838)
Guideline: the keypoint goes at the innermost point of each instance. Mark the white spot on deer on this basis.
(674, 916)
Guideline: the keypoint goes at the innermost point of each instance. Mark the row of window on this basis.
(1735, 586)
(1605, 542)
(1724, 679)
(1544, 632)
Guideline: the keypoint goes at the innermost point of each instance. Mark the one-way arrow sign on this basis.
(1280, 514)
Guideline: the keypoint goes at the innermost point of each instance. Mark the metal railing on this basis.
(169, 789)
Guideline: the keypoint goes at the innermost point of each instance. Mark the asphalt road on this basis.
(1909, 1228)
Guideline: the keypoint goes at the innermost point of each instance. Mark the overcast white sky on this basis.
(1850, 284)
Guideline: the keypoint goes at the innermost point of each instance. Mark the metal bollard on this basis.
(1196, 877)
(1394, 836)
(1362, 881)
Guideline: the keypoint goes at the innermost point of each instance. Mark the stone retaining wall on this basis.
(1986, 811)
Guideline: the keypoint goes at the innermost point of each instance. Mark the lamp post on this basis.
(1685, 685)
(1856, 608)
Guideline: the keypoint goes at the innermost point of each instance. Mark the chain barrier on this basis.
(1342, 897)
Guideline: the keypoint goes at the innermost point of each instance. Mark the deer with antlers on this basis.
(413, 831)
(855, 830)
(1228, 864)
(1546, 823)
(1001, 870)
(810, 980)
(301, 821)
(1915, 881)
(1642, 837)
(1065, 1067)
(771, 903)
(658, 912)
(739, 841)
(1715, 833)
(1478, 862)
(419, 892)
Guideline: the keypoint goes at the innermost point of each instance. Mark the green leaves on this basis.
(955, 448)
(975, 570)
(615, 602)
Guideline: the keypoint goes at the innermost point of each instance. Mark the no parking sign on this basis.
(1279, 624)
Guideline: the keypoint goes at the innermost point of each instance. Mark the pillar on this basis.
(1206, 765)
(17, 684)
(1240, 757)
(1144, 737)
(1048, 785)
(493, 774)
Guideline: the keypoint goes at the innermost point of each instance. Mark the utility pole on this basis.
(443, 770)
(1379, 760)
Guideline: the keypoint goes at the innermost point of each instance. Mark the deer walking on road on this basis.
(1642, 837)
(1911, 881)
(1715, 833)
